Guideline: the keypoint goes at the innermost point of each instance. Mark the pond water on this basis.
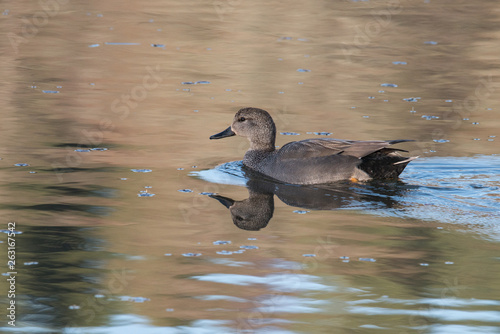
(128, 219)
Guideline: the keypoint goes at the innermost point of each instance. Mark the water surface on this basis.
(112, 181)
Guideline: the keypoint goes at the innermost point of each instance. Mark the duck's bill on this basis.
(226, 201)
(226, 133)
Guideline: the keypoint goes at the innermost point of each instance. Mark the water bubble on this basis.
(449, 262)
(224, 252)
(9, 231)
(399, 62)
(303, 70)
(367, 259)
(21, 164)
(185, 190)
(144, 193)
(202, 82)
(50, 91)
(222, 242)
(74, 307)
(167, 254)
(169, 309)
(449, 101)
(308, 255)
(388, 85)
(431, 42)
(32, 263)
(441, 140)
(141, 170)
(371, 97)
(249, 247)
(412, 99)
(207, 193)
(94, 45)
(289, 133)
(191, 254)
(427, 117)
(252, 239)
(424, 264)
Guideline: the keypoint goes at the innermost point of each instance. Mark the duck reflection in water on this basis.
(255, 212)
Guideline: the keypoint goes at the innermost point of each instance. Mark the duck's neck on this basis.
(254, 157)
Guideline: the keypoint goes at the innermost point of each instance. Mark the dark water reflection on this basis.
(255, 212)
(454, 190)
(93, 95)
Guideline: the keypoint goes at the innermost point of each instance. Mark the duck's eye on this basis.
(241, 119)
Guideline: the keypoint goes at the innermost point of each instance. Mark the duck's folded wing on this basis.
(311, 148)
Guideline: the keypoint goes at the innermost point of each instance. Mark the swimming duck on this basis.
(313, 161)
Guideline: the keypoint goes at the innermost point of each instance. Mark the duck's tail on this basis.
(386, 163)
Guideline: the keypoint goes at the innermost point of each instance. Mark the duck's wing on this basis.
(312, 148)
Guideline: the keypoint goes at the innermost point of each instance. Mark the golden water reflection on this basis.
(82, 75)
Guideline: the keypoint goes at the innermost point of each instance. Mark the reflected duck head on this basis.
(251, 214)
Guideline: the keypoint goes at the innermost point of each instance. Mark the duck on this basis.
(316, 160)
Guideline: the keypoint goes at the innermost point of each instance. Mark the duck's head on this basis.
(256, 125)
